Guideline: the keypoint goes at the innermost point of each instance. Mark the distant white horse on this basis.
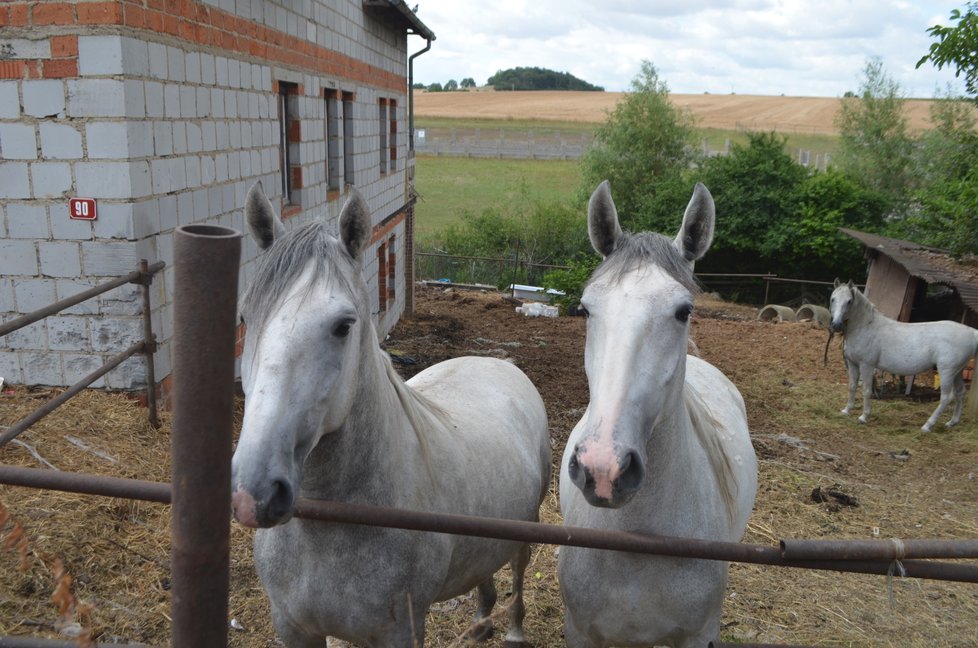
(663, 447)
(327, 417)
(874, 341)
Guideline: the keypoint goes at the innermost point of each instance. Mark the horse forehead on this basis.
(646, 283)
(309, 297)
(841, 293)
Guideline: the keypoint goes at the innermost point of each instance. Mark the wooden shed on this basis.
(911, 282)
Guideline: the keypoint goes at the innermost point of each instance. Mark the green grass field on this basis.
(450, 186)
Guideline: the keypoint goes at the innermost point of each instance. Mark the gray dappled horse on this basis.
(327, 417)
(875, 341)
(663, 447)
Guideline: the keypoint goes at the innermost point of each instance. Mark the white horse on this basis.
(663, 447)
(327, 417)
(872, 340)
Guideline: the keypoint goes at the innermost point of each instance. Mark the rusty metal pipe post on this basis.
(149, 345)
(206, 262)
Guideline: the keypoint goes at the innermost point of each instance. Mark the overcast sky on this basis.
(813, 48)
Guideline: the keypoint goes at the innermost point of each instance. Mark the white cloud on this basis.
(770, 47)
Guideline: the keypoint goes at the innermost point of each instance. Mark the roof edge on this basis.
(414, 23)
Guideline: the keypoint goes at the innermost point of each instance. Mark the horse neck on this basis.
(684, 444)
(862, 312)
(371, 448)
(672, 443)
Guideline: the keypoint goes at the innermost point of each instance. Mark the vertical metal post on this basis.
(149, 345)
(206, 261)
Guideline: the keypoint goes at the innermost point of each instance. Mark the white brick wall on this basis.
(163, 134)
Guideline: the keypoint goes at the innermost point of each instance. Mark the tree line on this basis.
(519, 78)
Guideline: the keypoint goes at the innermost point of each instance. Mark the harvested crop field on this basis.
(890, 481)
(814, 115)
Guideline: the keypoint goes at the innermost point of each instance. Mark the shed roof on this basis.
(933, 265)
(404, 14)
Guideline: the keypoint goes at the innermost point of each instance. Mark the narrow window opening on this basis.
(382, 112)
(349, 172)
(382, 277)
(289, 138)
(334, 141)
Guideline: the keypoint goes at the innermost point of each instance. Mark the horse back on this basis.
(911, 347)
(473, 390)
(495, 450)
(493, 416)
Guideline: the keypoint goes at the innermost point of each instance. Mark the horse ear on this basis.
(355, 224)
(852, 284)
(263, 224)
(836, 284)
(602, 220)
(696, 233)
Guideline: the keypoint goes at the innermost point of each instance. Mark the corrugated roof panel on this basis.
(933, 265)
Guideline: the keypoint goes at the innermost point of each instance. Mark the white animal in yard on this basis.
(327, 417)
(663, 447)
(875, 341)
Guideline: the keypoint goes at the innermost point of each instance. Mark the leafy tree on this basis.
(827, 201)
(874, 141)
(468, 82)
(451, 85)
(643, 148)
(957, 47)
(944, 211)
(756, 190)
(435, 87)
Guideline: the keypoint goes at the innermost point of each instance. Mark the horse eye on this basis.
(342, 329)
(683, 312)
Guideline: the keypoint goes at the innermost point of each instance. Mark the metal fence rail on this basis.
(144, 277)
(500, 272)
(878, 557)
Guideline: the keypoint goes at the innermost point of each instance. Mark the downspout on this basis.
(409, 238)
(411, 90)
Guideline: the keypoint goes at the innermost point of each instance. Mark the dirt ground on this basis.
(814, 115)
(890, 481)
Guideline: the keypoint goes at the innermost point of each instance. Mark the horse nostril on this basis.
(632, 473)
(280, 502)
(574, 466)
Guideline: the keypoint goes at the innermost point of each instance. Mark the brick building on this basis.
(165, 113)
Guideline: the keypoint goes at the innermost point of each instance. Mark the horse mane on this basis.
(286, 260)
(708, 431)
(635, 250)
(866, 303)
(422, 412)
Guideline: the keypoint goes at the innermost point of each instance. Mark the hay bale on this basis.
(818, 315)
(775, 313)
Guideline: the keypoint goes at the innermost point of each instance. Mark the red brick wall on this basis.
(186, 20)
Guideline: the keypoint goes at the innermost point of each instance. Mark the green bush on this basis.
(571, 281)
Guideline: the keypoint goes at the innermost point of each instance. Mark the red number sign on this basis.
(82, 208)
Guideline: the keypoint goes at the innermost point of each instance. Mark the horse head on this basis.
(306, 316)
(638, 303)
(843, 295)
